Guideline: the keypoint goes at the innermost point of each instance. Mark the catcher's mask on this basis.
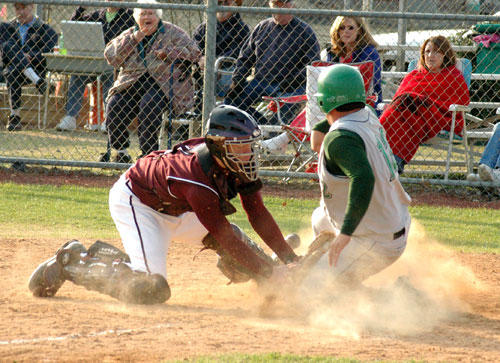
(231, 137)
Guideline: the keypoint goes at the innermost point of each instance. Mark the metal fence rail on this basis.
(80, 84)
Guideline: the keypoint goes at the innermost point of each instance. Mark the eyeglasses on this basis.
(349, 27)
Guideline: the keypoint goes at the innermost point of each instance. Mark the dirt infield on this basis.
(458, 320)
(450, 311)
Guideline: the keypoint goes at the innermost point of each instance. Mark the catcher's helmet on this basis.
(231, 136)
(339, 85)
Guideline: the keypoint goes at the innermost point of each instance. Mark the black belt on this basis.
(399, 233)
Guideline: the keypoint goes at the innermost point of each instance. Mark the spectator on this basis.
(351, 42)
(278, 50)
(145, 85)
(23, 42)
(114, 21)
(489, 165)
(419, 109)
(181, 194)
(232, 32)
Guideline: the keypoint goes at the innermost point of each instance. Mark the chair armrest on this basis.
(382, 106)
(224, 60)
(459, 108)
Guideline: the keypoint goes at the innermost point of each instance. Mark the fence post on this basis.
(402, 25)
(367, 6)
(209, 74)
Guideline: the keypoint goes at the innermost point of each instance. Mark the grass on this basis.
(47, 211)
(276, 358)
(466, 229)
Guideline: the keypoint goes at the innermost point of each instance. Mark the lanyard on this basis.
(142, 48)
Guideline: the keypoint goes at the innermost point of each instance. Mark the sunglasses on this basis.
(349, 27)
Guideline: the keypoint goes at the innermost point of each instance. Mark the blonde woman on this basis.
(351, 42)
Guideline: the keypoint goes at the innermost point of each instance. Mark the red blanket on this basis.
(419, 110)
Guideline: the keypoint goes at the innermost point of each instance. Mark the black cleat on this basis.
(123, 158)
(14, 123)
(49, 276)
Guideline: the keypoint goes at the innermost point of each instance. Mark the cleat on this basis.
(68, 123)
(123, 158)
(49, 276)
(14, 123)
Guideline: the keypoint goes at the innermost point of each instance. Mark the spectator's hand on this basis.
(161, 54)
(139, 35)
(201, 63)
(170, 54)
(28, 57)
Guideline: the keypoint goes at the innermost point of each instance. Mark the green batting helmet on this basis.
(339, 85)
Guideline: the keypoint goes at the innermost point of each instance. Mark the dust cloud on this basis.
(426, 286)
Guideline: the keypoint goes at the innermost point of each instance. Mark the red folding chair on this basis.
(298, 131)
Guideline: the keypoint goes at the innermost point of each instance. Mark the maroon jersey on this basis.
(187, 179)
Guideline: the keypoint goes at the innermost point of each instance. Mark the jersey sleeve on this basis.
(266, 227)
(345, 154)
(322, 126)
(206, 206)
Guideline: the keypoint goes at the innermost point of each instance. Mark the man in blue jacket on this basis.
(23, 42)
(278, 50)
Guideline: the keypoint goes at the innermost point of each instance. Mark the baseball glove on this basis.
(232, 269)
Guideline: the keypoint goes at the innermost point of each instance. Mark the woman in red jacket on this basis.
(419, 109)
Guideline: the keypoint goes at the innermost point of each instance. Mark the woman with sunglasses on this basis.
(351, 42)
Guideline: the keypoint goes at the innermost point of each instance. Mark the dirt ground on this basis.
(448, 311)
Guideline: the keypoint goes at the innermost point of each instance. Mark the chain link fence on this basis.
(98, 84)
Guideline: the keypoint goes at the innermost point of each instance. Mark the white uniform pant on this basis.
(363, 256)
(145, 233)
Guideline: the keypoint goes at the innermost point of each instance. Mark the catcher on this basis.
(362, 200)
(180, 194)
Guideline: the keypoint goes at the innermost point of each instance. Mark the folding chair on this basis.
(299, 129)
(298, 136)
(168, 115)
(5, 95)
(313, 112)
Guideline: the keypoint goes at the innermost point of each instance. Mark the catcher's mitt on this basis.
(231, 268)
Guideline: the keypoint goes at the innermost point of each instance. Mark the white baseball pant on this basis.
(145, 233)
